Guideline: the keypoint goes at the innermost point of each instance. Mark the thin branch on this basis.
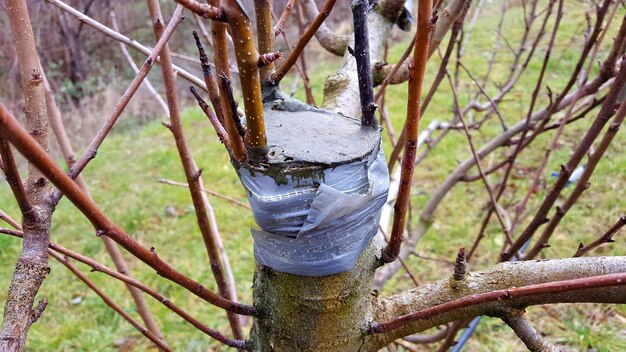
(118, 109)
(27, 146)
(133, 65)
(265, 35)
(420, 57)
(606, 112)
(124, 39)
(109, 302)
(361, 54)
(304, 40)
(219, 129)
(483, 176)
(279, 27)
(13, 177)
(128, 280)
(527, 333)
(607, 237)
(209, 235)
(207, 191)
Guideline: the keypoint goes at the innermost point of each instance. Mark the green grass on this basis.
(123, 180)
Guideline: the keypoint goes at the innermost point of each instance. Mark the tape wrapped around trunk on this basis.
(317, 228)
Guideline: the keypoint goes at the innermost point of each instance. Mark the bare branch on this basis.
(607, 237)
(334, 43)
(497, 291)
(279, 27)
(420, 57)
(12, 131)
(304, 40)
(109, 302)
(531, 337)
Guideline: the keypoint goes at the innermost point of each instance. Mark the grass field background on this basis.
(123, 181)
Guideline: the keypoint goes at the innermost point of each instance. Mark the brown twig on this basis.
(209, 235)
(219, 129)
(304, 40)
(118, 109)
(109, 302)
(607, 237)
(32, 151)
(207, 191)
(532, 338)
(606, 112)
(13, 177)
(420, 57)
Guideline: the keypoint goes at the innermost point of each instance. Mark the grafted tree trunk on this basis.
(328, 313)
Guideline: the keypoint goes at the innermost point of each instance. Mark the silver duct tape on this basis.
(319, 224)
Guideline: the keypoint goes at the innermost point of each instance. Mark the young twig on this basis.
(124, 39)
(302, 66)
(13, 177)
(606, 112)
(420, 57)
(333, 43)
(209, 79)
(93, 147)
(232, 104)
(279, 27)
(109, 302)
(209, 234)
(32, 151)
(533, 340)
(581, 185)
(304, 40)
(133, 65)
(207, 191)
(361, 54)
(219, 129)
(607, 237)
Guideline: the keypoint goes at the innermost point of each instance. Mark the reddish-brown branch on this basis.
(607, 237)
(420, 57)
(304, 40)
(109, 302)
(209, 235)
(555, 287)
(9, 220)
(27, 146)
